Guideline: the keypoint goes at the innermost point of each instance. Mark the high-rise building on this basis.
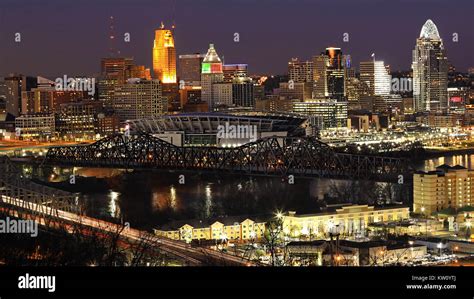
(139, 99)
(222, 93)
(164, 56)
(447, 187)
(211, 73)
(243, 93)
(46, 99)
(15, 85)
(114, 71)
(329, 74)
(189, 69)
(233, 72)
(376, 77)
(430, 71)
(300, 71)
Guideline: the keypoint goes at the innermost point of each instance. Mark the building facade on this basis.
(189, 69)
(139, 99)
(325, 113)
(164, 56)
(35, 126)
(446, 187)
(376, 76)
(226, 229)
(345, 220)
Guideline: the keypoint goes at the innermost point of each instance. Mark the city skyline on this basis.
(255, 45)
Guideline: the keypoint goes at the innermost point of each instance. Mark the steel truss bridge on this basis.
(277, 156)
(22, 198)
(13, 184)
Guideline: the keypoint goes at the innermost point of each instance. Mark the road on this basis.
(182, 250)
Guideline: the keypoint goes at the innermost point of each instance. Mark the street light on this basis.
(279, 214)
(440, 246)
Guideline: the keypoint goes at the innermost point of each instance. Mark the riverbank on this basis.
(436, 153)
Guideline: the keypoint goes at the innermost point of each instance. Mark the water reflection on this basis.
(463, 160)
(147, 199)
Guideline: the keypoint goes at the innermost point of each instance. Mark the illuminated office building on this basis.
(430, 71)
(15, 85)
(164, 56)
(77, 120)
(325, 113)
(35, 126)
(211, 73)
(138, 71)
(46, 99)
(376, 77)
(329, 74)
(114, 71)
(139, 99)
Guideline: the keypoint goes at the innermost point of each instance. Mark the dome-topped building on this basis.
(429, 30)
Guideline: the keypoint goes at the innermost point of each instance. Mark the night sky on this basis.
(69, 37)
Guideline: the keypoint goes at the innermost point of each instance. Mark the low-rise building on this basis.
(35, 126)
(379, 253)
(348, 220)
(240, 228)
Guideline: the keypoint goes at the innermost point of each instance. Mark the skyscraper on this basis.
(164, 56)
(15, 85)
(430, 71)
(300, 71)
(329, 74)
(139, 99)
(190, 69)
(375, 75)
(211, 73)
(113, 73)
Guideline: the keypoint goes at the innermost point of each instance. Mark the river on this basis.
(147, 199)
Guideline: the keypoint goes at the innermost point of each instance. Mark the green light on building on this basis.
(206, 68)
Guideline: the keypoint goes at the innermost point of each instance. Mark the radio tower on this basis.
(112, 50)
